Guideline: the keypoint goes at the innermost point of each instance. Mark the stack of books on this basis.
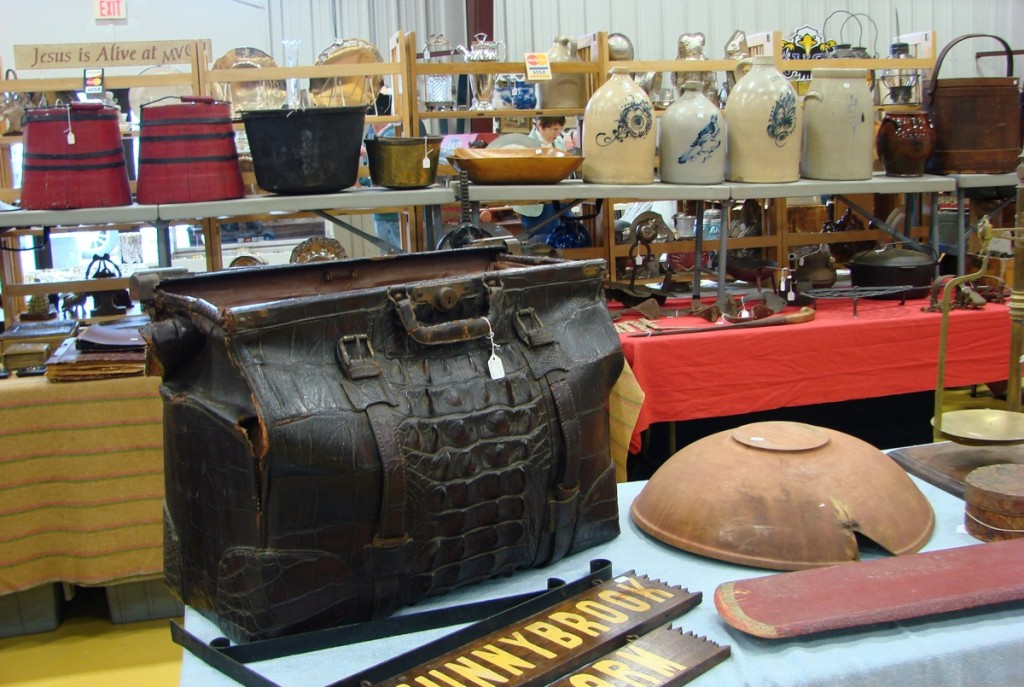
(28, 344)
(102, 351)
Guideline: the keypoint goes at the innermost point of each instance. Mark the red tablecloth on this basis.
(887, 349)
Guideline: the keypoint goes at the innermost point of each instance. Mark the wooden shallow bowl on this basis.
(784, 496)
(515, 165)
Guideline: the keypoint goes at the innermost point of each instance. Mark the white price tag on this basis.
(426, 154)
(69, 131)
(495, 367)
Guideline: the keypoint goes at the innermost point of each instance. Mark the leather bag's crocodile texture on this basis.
(342, 451)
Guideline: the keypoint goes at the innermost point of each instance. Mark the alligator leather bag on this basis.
(340, 441)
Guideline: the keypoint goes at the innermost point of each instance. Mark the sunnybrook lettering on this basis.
(516, 654)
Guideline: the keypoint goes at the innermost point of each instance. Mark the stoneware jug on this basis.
(839, 130)
(692, 146)
(562, 90)
(765, 125)
(619, 136)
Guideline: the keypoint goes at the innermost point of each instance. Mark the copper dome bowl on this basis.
(783, 496)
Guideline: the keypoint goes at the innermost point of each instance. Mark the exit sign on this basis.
(110, 9)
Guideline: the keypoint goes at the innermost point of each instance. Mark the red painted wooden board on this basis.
(867, 592)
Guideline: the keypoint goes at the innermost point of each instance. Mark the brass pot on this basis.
(399, 162)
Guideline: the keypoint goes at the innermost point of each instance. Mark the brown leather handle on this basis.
(455, 331)
(933, 82)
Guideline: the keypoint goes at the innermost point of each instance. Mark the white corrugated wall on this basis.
(525, 25)
(318, 22)
(654, 25)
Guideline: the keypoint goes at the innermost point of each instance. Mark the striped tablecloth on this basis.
(81, 482)
(81, 478)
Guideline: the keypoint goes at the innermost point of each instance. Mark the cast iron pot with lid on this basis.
(894, 266)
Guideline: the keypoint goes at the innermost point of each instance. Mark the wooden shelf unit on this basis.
(405, 70)
(199, 78)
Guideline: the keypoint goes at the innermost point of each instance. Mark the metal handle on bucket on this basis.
(933, 82)
(199, 99)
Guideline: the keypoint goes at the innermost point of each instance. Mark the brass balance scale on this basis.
(986, 426)
(985, 448)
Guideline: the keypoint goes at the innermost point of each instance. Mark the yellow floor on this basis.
(87, 650)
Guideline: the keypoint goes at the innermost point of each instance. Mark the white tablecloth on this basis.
(966, 649)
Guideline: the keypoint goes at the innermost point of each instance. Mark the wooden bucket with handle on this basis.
(977, 120)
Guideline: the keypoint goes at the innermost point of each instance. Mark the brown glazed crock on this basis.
(904, 143)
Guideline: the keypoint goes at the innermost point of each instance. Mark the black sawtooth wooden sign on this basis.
(666, 657)
(552, 643)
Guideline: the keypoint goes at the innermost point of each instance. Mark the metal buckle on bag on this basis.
(361, 363)
(533, 333)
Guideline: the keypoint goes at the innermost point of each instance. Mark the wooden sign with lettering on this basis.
(114, 54)
(558, 640)
(666, 657)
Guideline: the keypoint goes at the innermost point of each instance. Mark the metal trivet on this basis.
(858, 292)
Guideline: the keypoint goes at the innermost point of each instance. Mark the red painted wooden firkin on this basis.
(73, 158)
(187, 152)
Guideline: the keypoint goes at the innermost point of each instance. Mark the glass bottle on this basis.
(439, 89)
